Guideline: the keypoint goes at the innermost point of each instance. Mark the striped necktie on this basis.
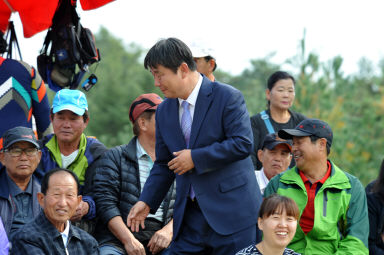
(186, 124)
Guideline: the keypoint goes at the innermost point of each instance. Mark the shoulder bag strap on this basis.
(267, 122)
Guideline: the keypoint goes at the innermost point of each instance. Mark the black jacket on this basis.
(41, 237)
(117, 188)
(376, 221)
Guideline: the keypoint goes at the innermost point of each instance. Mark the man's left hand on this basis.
(182, 162)
(81, 210)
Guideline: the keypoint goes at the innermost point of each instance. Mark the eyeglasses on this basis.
(16, 152)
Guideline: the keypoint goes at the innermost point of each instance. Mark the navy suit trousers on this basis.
(197, 237)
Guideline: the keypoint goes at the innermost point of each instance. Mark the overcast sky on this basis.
(243, 29)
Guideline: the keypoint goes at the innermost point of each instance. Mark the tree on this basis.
(253, 82)
(353, 105)
(122, 78)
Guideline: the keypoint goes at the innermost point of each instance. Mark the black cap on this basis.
(19, 134)
(309, 127)
(272, 140)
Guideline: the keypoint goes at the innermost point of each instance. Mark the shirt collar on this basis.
(263, 180)
(42, 221)
(322, 180)
(65, 233)
(140, 151)
(264, 177)
(14, 190)
(192, 98)
(66, 230)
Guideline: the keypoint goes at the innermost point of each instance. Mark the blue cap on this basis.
(70, 99)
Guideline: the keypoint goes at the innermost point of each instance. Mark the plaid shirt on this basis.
(41, 237)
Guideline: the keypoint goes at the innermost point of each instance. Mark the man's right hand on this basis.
(137, 215)
(134, 247)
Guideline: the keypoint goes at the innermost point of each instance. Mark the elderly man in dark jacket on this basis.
(18, 187)
(119, 179)
(51, 232)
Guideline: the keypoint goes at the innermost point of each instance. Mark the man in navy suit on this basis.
(218, 198)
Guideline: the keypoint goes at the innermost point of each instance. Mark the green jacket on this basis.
(341, 224)
(84, 166)
(90, 149)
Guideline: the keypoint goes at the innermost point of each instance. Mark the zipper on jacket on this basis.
(325, 199)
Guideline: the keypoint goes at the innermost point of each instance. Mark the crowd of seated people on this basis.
(170, 189)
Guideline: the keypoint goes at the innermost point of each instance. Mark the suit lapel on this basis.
(204, 100)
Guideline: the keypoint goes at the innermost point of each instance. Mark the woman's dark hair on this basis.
(277, 204)
(47, 176)
(170, 53)
(277, 76)
(378, 187)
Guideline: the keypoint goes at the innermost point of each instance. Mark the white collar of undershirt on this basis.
(262, 180)
(65, 234)
(67, 160)
(192, 98)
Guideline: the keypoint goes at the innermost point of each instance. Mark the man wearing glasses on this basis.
(18, 189)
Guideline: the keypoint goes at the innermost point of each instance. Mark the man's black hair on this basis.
(315, 138)
(207, 58)
(170, 53)
(277, 76)
(85, 115)
(47, 176)
(147, 114)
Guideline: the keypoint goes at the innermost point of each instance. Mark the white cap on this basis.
(199, 52)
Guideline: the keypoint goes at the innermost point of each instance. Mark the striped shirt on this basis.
(145, 165)
(252, 250)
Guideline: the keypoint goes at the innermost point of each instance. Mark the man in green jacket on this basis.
(332, 203)
(68, 147)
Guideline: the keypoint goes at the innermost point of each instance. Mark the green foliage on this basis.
(252, 82)
(122, 78)
(352, 105)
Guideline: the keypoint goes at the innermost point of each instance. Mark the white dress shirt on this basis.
(192, 98)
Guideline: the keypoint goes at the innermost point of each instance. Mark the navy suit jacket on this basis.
(221, 141)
